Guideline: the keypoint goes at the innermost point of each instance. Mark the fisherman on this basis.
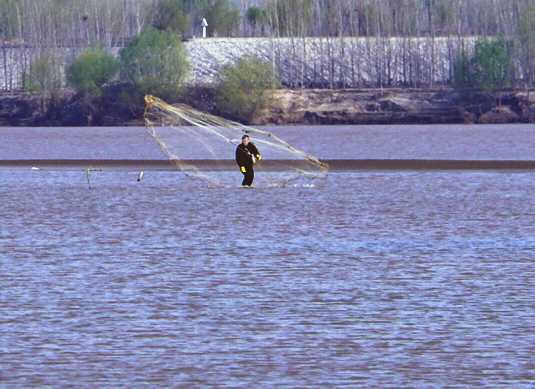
(246, 156)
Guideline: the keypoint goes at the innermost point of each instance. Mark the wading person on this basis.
(246, 156)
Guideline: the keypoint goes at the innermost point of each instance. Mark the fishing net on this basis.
(203, 146)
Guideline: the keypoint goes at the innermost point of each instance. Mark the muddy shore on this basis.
(398, 106)
(271, 166)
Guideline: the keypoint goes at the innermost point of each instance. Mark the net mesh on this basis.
(203, 147)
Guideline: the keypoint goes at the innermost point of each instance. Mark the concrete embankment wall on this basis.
(335, 62)
(340, 62)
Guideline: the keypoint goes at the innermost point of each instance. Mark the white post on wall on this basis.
(204, 24)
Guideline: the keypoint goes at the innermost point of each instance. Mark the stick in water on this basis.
(87, 176)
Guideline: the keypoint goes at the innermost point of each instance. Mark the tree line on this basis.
(111, 23)
(398, 34)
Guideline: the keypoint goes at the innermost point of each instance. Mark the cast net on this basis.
(203, 146)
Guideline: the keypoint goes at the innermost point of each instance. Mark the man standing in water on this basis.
(246, 156)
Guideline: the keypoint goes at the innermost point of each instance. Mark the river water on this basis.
(369, 278)
(436, 142)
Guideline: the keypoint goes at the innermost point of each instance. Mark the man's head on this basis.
(245, 140)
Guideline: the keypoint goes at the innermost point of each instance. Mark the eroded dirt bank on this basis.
(312, 106)
(398, 106)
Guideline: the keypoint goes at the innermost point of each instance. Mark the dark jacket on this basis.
(244, 154)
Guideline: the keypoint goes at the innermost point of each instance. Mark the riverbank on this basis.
(308, 106)
(398, 106)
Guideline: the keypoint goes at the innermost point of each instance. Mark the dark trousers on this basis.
(248, 176)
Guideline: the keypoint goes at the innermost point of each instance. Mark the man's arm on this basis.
(255, 152)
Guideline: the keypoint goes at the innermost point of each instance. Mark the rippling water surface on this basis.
(374, 279)
(450, 142)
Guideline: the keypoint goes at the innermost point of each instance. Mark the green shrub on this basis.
(222, 16)
(155, 62)
(256, 17)
(91, 71)
(243, 88)
(44, 75)
(171, 16)
(492, 64)
(489, 67)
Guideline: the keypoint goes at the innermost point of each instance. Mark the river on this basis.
(373, 278)
(432, 142)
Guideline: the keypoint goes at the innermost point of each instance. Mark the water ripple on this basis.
(375, 279)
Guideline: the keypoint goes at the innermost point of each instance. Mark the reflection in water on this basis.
(372, 279)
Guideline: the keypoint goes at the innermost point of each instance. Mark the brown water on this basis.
(437, 142)
(373, 279)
